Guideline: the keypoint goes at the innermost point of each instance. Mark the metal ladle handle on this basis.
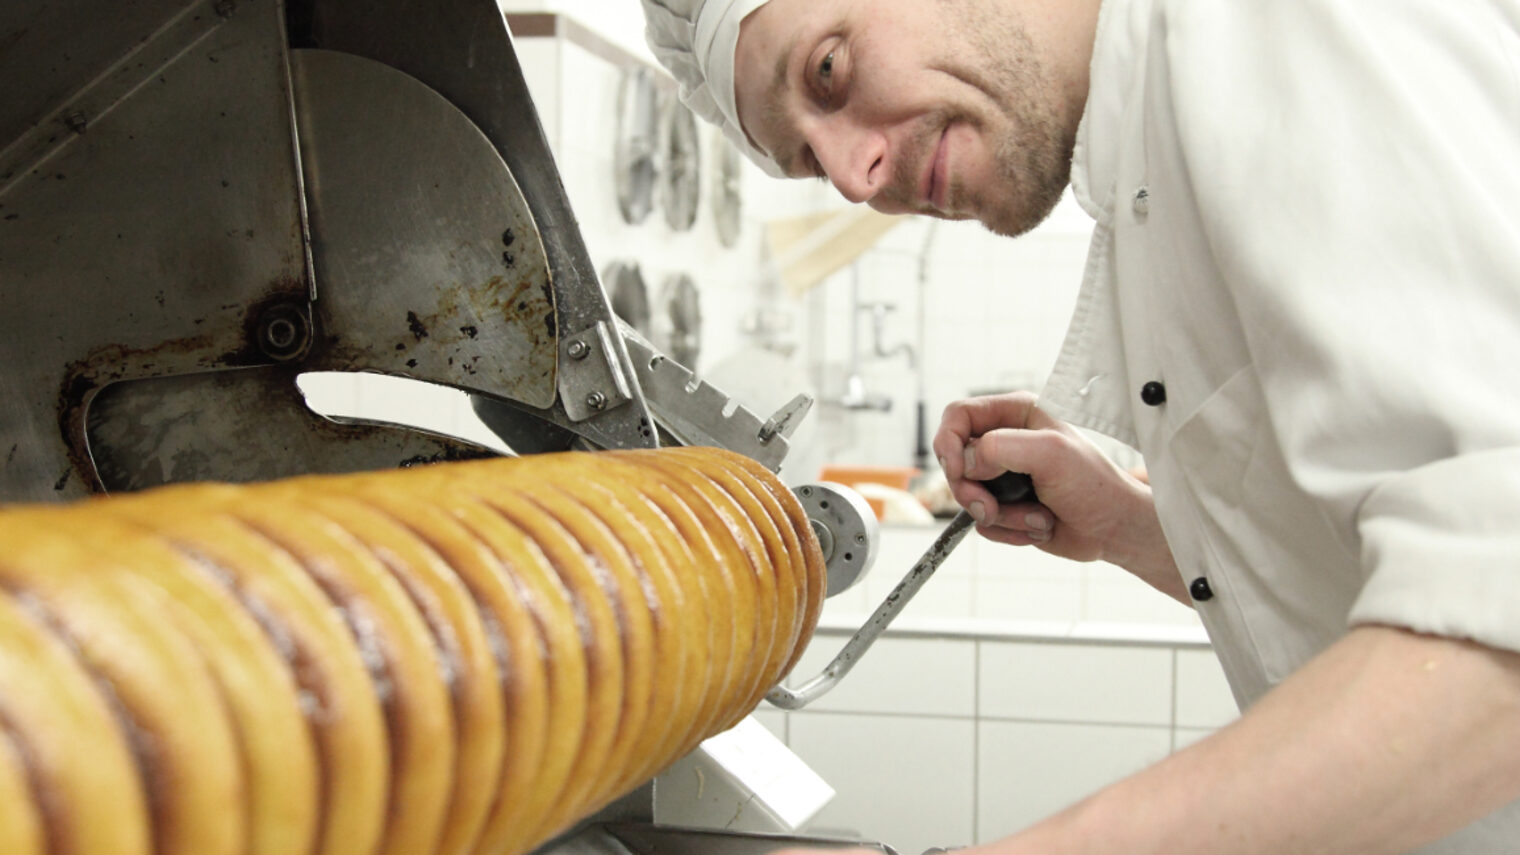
(1008, 488)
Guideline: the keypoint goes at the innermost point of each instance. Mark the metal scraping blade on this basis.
(248, 425)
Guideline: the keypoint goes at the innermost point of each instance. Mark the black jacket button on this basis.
(1200, 590)
(1153, 394)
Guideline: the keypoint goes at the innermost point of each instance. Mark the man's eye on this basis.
(826, 68)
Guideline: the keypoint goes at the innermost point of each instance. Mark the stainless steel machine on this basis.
(201, 200)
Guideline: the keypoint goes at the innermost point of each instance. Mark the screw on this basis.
(280, 333)
(596, 400)
(860, 539)
(283, 332)
(578, 349)
(76, 122)
(806, 492)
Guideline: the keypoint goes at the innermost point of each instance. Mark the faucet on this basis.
(879, 313)
(856, 396)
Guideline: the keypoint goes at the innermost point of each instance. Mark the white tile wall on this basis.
(910, 779)
(1027, 599)
(899, 675)
(1115, 596)
(773, 719)
(995, 313)
(1029, 770)
(1076, 683)
(1182, 737)
(1051, 722)
(992, 581)
(1204, 698)
(1023, 583)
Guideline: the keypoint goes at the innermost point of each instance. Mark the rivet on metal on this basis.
(596, 400)
(860, 539)
(280, 333)
(283, 332)
(578, 349)
(1142, 202)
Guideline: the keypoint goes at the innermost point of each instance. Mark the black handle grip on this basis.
(1010, 488)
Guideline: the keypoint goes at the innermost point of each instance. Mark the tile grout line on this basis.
(976, 745)
(1174, 700)
(998, 719)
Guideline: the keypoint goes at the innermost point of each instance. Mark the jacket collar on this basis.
(1114, 84)
(1088, 385)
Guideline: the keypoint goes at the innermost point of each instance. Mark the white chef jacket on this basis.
(1308, 230)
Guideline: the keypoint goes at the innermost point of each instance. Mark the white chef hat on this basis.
(695, 40)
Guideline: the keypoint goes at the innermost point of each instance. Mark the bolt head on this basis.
(596, 400)
(280, 333)
(578, 349)
(283, 332)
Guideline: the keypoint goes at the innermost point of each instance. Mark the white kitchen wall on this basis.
(994, 314)
(619, 21)
(949, 740)
(1014, 684)
(993, 585)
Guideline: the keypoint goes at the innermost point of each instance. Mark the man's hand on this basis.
(1089, 508)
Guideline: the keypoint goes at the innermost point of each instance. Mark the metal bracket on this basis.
(591, 378)
(890, 608)
(785, 420)
(847, 530)
(697, 413)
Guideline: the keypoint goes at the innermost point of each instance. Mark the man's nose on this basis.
(854, 158)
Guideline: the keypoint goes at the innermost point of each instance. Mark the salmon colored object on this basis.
(891, 476)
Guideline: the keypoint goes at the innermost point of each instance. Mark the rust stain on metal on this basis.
(415, 324)
(448, 455)
(459, 332)
(104, 365)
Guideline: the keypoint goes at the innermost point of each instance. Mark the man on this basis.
(1302, 304)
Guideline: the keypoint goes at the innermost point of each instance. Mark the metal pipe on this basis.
(861, 641)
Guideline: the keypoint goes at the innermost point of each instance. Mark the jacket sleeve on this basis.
(1357, 166)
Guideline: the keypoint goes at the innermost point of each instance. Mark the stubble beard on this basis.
(1033, 148)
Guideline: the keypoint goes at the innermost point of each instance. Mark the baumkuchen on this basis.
(452, 659)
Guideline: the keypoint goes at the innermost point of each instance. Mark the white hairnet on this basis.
(695, 40)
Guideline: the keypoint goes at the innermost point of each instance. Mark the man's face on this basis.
(939, 107)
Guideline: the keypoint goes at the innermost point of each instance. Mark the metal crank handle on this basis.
(1008, 488)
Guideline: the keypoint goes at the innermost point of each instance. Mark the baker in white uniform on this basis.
(1302, 304)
